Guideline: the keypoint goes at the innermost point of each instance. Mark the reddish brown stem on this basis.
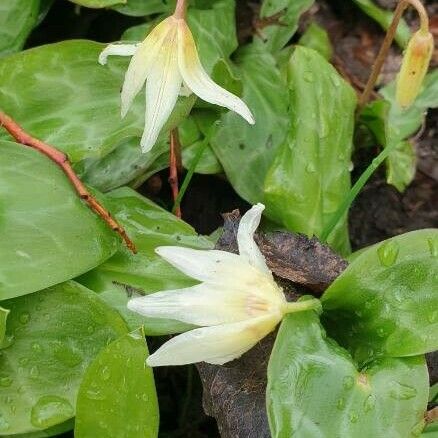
(173, 171)
(61, 159)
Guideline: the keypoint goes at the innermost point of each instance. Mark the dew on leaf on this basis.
(6, 381)
(348, 382)
(388, 253)
(400, 391)
(24, 318)
(50, 410)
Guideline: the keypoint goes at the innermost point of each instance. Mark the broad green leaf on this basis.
(3, 317)
(277, 34)
(117, 396)
(247, 151)
(401, 165)
(310, 175)
(149, 226)
(431, 430)
(56, 333)
(316, 391)
(62, 95)
(385, 302)
(316, 37)
(98, 3)
(54, 431)
(47, 233)
(140, 8)
(17, 19)
(383, 18)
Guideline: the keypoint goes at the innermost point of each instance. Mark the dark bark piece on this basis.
(235, 393)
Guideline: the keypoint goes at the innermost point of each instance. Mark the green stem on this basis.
(342, 210)
(190, 173)
(301, 306)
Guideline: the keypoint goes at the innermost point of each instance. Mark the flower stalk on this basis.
(302, 306)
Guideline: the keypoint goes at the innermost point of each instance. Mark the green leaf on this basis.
(98, 3)
(3, 317)
(17, 19)
(276, 35)
(316, 37)
(385, 302)
(54, 431)
(140, 8)
(149, 226)
(401, 166)
(56, 333)
(117, 396)
(431, 430)
(384, 19)
(70, 100)
(316, 391)
(247, 151)
(310, 175)
(48, 235)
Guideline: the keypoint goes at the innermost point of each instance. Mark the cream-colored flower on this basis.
(237, 304)
(167, 60)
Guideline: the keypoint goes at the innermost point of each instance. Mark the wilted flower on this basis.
(237, 304)
(167, 60)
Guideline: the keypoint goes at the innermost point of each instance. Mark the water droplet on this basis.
(144, 397)
(400, 391)
(353, 417)
(432, 316)
(94, 393)
(433, 246)
(348, 382)
(310, 168)
(24, 318)
(34, 371)
(105, 373)
(388, 253)
(5, 381)
(381, 332)
(369, 403)
(340, 404)
(4, 424)
(50, 410)
(335, 80)
(90, 329)
(308, 76)
(36, 347)
(23, 360)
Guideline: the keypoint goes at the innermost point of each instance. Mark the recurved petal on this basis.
(204, 304)
(162, 89)
(118, 49)
(198, 80)
(203, 265)
(142, 63)
(245, 238)
(217, 345)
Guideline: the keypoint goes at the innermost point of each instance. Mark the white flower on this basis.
(167, 60)
(237, 304)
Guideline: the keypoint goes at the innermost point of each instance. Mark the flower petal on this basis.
(162, 89)
(245, 238)
(204, 304)
(142, 63)
(216, 345)
(198, 80)
(119, 49)
(203, 265)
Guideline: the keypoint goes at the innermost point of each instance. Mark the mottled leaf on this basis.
(47, 233)
(61, 94)
(284, 15)
(316, 37)
(17, 19)
(315, 389)
(385, 302)
(117, 396)
(310, 175)
(56, 334)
